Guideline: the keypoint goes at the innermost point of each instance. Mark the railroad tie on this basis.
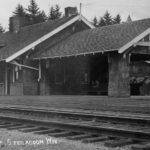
(30, 129)
(74, 135)
(4, 123)
(46, 131)
(79, 137)
(14, 127)
(7, 125)
(119, 143)
(95, 139)
(140, 147)
(18, 127)
(60, 134)
(24, 127)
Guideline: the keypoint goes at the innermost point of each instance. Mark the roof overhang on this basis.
(135, 41)
(46, 36)
(78, 54)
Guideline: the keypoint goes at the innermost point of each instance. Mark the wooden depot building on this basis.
(69, 56)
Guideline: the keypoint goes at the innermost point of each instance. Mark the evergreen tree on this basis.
(42, 16)
(33, 9)
(58, 13)
(107, 18)
(117, 19)
(34, 13)
(54, 12)
(102, 22)
(19, 11)
(95, 22)
(129, 19)
(2, 30)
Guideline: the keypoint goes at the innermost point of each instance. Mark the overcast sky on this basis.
(138, 9)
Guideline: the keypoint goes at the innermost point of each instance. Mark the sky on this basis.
(137, 9)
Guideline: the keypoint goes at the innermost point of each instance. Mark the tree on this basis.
(33, 9)
(54, 12)
(129, 19)
(102, 22)
(42, 16)
(117, 19)
(57, 10)
(51, 13)
(34, 13)
(107, 18)
(2, 30)
(95, 22)
(19, 11)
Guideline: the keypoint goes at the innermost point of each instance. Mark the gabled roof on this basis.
(28, 37)
(102, 39)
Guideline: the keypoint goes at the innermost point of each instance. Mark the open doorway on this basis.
(82, 75)
(140, 74)
(98, 75)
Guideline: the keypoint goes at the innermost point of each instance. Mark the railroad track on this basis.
(112, 130)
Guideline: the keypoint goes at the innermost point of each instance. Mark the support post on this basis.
(6, 79)
(119, 85)
(13, 67)
(39, 78)
(80, 9)
(149, 41)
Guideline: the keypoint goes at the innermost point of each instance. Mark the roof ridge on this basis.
(124, 23)
(47, 21)
(32, 25)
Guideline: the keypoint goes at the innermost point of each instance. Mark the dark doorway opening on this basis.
(140, 74)
(82, 75)
(98, 75)
(135, 89)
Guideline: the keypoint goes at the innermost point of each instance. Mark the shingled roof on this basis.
(102, 39)
(16, 41)
(2, 42)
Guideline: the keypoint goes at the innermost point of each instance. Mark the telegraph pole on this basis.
(80, 8)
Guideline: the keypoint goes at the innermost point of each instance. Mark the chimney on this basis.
(16, 22)
(69, 11)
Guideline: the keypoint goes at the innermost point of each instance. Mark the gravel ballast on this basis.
(15, 140)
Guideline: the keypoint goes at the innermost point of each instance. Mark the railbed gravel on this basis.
(27, 140)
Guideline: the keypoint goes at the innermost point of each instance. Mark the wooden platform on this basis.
(92, 103)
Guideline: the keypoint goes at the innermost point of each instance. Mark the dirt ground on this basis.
(14, 140)
(92, 103)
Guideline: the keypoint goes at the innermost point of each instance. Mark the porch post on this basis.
(39, 77)
(119, 85)
(6, 79)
